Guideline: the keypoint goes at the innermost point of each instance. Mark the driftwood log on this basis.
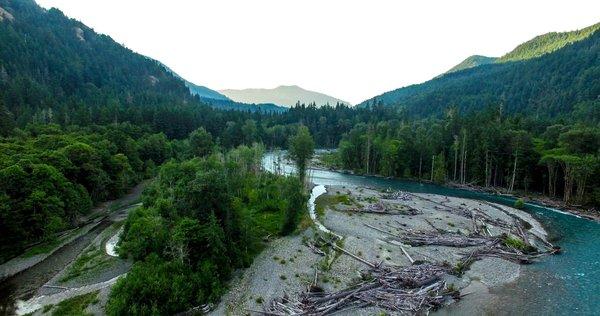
(424, 238)
(384, 209)
(413, 289)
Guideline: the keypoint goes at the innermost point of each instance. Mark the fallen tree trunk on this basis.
(421, 238)
(414, 289)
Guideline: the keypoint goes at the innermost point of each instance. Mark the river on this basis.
(565, 284)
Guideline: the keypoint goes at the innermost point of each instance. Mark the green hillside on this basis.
(54, 69)
(548, 43)
(550, 85)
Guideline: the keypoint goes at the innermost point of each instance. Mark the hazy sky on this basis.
(352, 50)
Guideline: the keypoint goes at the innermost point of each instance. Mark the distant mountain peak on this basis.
(283, 95)
(200, 91)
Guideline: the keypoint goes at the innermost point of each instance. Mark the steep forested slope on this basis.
(48, 61)
(549, 85)
(57, 70)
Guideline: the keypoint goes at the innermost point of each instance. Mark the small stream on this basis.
(314, 194)
(24, 284)
(565, 284)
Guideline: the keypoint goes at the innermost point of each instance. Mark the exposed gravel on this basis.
(285, 266)
(262, 280)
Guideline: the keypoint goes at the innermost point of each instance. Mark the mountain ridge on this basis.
(283, 95)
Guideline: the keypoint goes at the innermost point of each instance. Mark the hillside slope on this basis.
(547, 86)
(55, 69)
(472, 61)
(548, 43)
(286, 96)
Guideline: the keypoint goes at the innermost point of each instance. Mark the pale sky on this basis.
(352, 50)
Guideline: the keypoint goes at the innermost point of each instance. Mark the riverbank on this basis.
(529, 197)
(290, 265)
(538, 199)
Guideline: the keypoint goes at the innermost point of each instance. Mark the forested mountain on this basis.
(472, 61)
(550, 85)
(57, 70)
(287, 96)
(49, 62)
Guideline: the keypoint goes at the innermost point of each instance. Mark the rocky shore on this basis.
(290, 265)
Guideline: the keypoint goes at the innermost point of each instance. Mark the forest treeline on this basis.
(556, 158)
(54, 173)
(90, 164)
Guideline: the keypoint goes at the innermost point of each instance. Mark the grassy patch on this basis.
(91, 260)
(514, 242)
(517, 243)
(331, 160)
(330, 201)
(76, 306)
(269, 222)
(371, 199)
(305, 222)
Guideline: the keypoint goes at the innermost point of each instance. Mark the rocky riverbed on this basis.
(289, 265)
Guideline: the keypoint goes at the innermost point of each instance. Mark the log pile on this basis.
(413, 289)
(400, 196)
(498, 250)
(383, 209)
(429, 238)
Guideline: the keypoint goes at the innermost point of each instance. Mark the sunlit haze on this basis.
(351, 50)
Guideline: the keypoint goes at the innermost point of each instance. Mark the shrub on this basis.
(519, 203)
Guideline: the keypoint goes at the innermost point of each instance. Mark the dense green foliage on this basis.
(50, 176)
(553, 85)
(57, 172)
(75, 306)
(484, 148)
(201, 219)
